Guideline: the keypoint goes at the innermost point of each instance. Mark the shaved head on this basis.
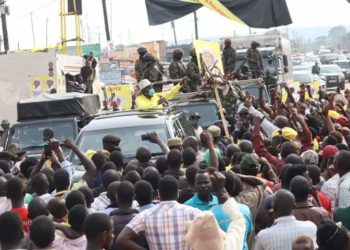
(283, 203)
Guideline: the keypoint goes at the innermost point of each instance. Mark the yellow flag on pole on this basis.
(218, 7)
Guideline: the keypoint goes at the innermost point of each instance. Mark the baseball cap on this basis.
(328, 151)
(343, 121)
(249, 161)
(144, 84)
(174, 142)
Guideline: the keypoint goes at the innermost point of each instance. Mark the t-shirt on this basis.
(23, 214)
(207, 155)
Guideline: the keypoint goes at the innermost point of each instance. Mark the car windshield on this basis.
(302, 78)
(30, 135)
(253, 90)
(343, 64)
(208, 113)
(130, 139)
(330, 69)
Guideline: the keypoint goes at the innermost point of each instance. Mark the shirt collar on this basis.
(304, 204)
(198, 201)
(285, 219)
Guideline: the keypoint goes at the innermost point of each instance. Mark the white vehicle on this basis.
(305, 77)
(25, 75)
(275, 50)
(333, 76)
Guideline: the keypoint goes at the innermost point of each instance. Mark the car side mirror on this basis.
(285, 61)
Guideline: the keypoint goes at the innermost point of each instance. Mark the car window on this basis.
(330, 69)
(253, 90)
(130, 139)
(207, 111)
(186, 126)
(177, 128)
(303, 78)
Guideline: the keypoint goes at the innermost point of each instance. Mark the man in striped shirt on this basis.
(286, 228)
(164, 225)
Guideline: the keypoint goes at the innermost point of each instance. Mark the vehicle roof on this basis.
(128, 119)
(301, 72)
(329, 66)
(341, 61)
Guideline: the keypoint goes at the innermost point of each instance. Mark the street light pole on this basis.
(106, 19)
(4, 24)
(195, 24)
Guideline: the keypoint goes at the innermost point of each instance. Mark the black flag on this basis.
(254, 13)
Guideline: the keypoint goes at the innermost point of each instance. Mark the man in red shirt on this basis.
(15, 192)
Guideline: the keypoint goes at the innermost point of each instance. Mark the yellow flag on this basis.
(218, 7)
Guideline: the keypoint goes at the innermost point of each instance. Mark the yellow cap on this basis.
(286, 132)
(334, 114)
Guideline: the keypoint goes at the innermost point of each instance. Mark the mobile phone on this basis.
(144, 137)
(47, 150)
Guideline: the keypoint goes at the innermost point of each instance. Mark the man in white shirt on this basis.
(5, 204)
(341, 164)
(286, 228)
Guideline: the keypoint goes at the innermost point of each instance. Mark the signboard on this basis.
(110, 74)
(120, 94)
(41, 84)
(211, 55)
(85, 50)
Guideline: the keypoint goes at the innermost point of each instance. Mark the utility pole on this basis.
(4, 11)
(174, 30)
(195, 24)
(106, 19)
(31, 19)
(111, 14)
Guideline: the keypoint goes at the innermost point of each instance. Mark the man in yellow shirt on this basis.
(150, 100)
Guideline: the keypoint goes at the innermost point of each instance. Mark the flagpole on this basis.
(195, 24)
(174, 30)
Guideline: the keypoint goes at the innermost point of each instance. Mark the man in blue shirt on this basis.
(204, 199)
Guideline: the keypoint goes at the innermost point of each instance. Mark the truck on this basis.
(276, 53)
(65, 114)
(29, 74)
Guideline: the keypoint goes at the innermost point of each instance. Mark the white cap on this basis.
(144, 84)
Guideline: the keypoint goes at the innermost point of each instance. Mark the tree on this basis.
(336, 35)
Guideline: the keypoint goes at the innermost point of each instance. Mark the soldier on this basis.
(139, 64)
(229, 57)
(151, 70)
(194, 77)
(254, 60)
(177, 68)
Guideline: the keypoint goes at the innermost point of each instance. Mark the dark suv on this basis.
(129, 126)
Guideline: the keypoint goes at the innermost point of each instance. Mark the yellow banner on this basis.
(210, 52)
(315, 87)
(120, 95)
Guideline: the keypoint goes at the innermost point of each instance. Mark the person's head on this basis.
(99, 159)
(5, 166)
(331, 236)
(126, 192)
(76, 217)
(191, 174)
(27, 165)
(227, 43)
(73, 198)
(174, 159)
(15, 189)
(112, 192)
(143, 155)
(40, 184)
(249, 165)
(177, 54)
(61, 180)
(342, 146)
(192, 142)
(295, 170)
(341, 162)
(152, 176)
(2, 186)
(202, 183)
(98, 230)
(146, 88)
(281, 121)
(283, 203)
(168, 188)
(141, 51)
(89, 197)
(189, 156)
(36, 208)
(11, 232)
(162, 164)
(310, 157)
(254, 45)
(329, 140)
(194, 119)
(143, 193)
(132, 176)
(294, 159)
(300, 188)
(48, 134)
(118, 159)
(130, 166)
(237, 158)
(247, 136)
(107, 166)
(215, 132)
(288, 148)
(175, 143)
(314, 173)
(111, 143)
(232, 149)
(233, 184)
(42, 232)
(303, 243)
(110, 176)
(246, 146)
(57, 209)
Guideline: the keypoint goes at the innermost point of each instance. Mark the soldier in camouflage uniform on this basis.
(152, 71)
(254, 60)
(194, 77)
(177, 69)
(228, 57)
(139, 64)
